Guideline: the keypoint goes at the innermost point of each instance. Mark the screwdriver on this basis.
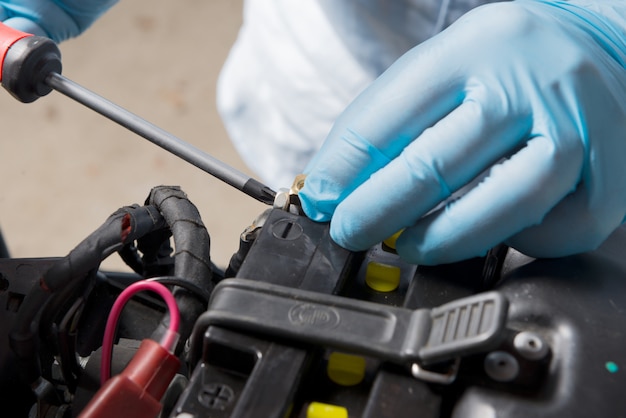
(31, 68)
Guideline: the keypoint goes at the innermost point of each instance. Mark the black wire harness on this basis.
(63, 289)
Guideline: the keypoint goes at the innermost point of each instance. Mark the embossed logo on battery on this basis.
(318, 316)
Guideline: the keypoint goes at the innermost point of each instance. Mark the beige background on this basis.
(64, 168)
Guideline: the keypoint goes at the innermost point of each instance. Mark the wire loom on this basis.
(167, 212)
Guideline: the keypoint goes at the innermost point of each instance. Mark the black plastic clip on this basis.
(424, 336)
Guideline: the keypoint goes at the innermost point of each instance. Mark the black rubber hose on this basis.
(191, 257)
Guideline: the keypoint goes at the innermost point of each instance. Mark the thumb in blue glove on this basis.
(522, 104)
(56, 19)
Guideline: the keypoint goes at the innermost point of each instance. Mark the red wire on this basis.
(169, 340)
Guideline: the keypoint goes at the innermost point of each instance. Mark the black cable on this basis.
(168, 207)
(189, 286)
(128, 253)
(125, 225)
(192, 261)
(66, 343)
(156, 254)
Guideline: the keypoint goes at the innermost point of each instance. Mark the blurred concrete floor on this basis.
(64, 168)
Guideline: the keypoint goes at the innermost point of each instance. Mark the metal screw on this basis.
(530, 345)
(216, 396)
(501, 366)
(286, 229)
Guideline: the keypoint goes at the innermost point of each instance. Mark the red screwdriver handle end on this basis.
(8, 36)
(25, 63)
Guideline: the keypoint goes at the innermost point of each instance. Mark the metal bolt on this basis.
(501, 366)
(282, 199)
(530, 345)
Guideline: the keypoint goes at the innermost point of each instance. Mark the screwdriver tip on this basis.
(259, 191)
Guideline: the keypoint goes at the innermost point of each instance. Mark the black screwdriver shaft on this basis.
(162, 138)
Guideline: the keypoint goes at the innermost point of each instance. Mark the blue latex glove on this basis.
(532, 93)
(56, 19)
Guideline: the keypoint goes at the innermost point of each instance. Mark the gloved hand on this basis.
(56, 19)
(531, 94)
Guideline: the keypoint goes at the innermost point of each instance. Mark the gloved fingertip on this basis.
(349, 232)
(318, 199)
(342, 238)
(312, 209)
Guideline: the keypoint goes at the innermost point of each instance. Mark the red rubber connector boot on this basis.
(136, 392)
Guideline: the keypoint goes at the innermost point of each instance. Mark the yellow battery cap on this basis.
(345, 369)
(323, 410)
(382, 277)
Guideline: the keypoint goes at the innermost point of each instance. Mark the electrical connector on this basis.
(136, 391)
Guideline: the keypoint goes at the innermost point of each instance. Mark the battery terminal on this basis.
(288, 199)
